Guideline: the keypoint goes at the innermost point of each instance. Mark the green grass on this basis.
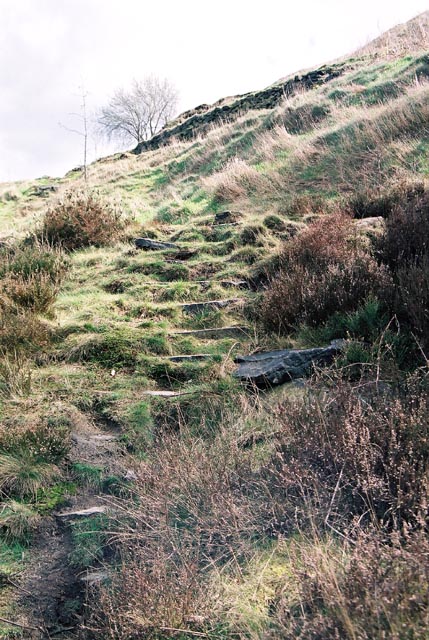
(89, 538)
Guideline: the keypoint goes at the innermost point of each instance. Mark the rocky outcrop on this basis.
(276, 367)
(199, 120)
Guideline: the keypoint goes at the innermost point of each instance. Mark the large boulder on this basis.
(276, 367)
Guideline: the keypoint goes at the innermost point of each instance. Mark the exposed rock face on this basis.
(202, 118)
(153, 245)
(276, 367)
(45, 189)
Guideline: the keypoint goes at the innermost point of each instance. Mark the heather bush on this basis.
(47, 439)
(374, 589)
(323, 271)
(367, 203)
(360, 453)
(20, 329)
(412, 298)
(406, 238)
(30, 276)
(81, 219)
(404, 248)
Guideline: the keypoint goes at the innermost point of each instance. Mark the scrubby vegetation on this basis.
(81, 219)
(145, 492)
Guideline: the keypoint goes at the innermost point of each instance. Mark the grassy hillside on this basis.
(146, 492)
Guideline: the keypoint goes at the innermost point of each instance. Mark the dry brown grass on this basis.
(348, 462)
(372, 590)
(236, 181)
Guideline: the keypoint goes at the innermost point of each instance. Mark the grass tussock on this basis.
(22, 474)
(17, 521)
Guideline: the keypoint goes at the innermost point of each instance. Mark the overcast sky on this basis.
(51, 48)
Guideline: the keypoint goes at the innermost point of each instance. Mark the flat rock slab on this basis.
(194, 308)
(191, 358)
(374, 224)
(276, 367)
(95, 440)
(83, 513)
(95, 577)
(103, 437)
(154, 245)
(213, 334)
(241, 284)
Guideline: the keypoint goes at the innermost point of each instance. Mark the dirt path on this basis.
(52, 592)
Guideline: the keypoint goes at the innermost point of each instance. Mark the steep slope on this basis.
(411, 37)
(166, 499)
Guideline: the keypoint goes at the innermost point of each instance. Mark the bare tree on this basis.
(139, 113)
(83, 132)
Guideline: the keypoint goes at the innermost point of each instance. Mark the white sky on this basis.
(208, 49)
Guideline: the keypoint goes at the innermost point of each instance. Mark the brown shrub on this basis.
(30, 275)
(322, 271)
(412, 298)
(367, 203)
(404, 248)
(375, 590)
(153, 600)
(81, 219)
(349, 453)
(21, 329)
(345, 460)
(406, 237)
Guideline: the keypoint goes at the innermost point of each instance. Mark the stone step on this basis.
(92, 578)
(190, 358)
(97, 439)
(215, 333)
(103, 437)
(194, 308)
(166, 394)
(242, 284)
(83, 513)
(226, 217)
(154, 245)
(184, 254)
